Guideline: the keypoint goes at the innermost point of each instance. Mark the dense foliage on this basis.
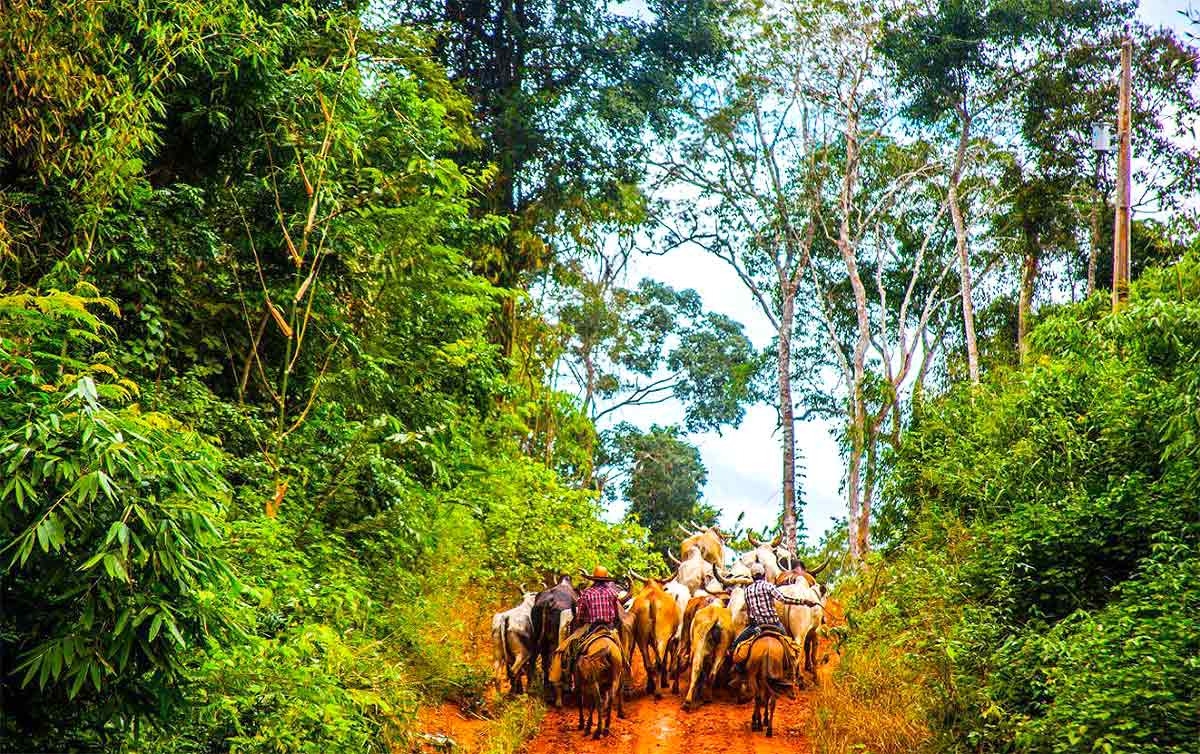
(258, 446)
(1042, 577)
(316, 327)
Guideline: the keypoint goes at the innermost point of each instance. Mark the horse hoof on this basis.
(770, 733)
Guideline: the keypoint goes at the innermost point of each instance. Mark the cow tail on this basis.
(714, 634)
(504, 649)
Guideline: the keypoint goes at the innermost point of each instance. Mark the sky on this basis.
(745, 464)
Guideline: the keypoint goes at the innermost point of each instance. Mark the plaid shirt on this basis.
(597, 604)
(760, 602)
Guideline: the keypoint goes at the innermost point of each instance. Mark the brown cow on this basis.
(683, 649)
(709, 542)
(711, 634)
(655, 619)
(797, 573)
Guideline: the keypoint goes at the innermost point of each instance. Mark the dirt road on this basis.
(651, 726)
(662, 727)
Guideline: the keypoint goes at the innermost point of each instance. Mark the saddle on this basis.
(595, 635)
(740, 651)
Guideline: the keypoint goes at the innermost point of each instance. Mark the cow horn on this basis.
(821, 567)
(671, 555)
(778, 538)
(685, 530)
(717, 576)
(523, 589)
(635, 575)
(753, 540)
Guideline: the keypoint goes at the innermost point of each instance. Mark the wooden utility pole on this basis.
(1121, 228)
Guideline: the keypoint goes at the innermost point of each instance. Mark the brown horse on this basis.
(598, 674)
(768, 674)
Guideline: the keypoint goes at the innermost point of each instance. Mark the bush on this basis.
(1039, 572)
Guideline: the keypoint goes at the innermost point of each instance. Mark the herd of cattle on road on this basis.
(682, 627)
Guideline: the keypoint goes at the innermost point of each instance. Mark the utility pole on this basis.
(1121, 228)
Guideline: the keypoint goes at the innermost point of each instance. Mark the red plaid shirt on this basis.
(597, 604)
(760, 602)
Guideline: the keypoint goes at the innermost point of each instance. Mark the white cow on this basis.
(681, 594)
(693, 571)
(766, 553)
(512, 643)
(802, 621)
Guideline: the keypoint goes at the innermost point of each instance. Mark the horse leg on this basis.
(619, 693)
(756, 720)
(604, 716)
(770, 715)
(581, 712)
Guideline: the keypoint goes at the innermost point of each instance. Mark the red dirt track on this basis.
(658, 726)
(662, 727)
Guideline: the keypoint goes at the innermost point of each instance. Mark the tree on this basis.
(564, 94)
(1055, 109)
(741, 164)
(955, 59)
(629, 347)
(663, 480)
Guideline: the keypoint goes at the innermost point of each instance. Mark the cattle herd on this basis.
(682, 627)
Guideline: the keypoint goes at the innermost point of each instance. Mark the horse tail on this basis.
(773, 669)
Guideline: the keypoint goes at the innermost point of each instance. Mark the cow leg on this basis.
(696, 679)
(527, 670)
(810, 650)
(664, 661)
(718, 665)
(644, 648)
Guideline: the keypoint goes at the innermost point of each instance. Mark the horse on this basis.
(599, 671)
(769, 677)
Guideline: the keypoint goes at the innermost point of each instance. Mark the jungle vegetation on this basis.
(315, 344)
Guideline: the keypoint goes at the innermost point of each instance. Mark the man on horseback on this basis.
(597, 608)
(761, 596)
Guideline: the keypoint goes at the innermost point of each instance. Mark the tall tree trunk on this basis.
(859, 524)
(960, 245)
(853, 484)
(1029, 273)
(787, 417)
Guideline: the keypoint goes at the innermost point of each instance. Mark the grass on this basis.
(869, 705)
(516, 723)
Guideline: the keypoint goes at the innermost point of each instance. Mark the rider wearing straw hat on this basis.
(596, 608)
